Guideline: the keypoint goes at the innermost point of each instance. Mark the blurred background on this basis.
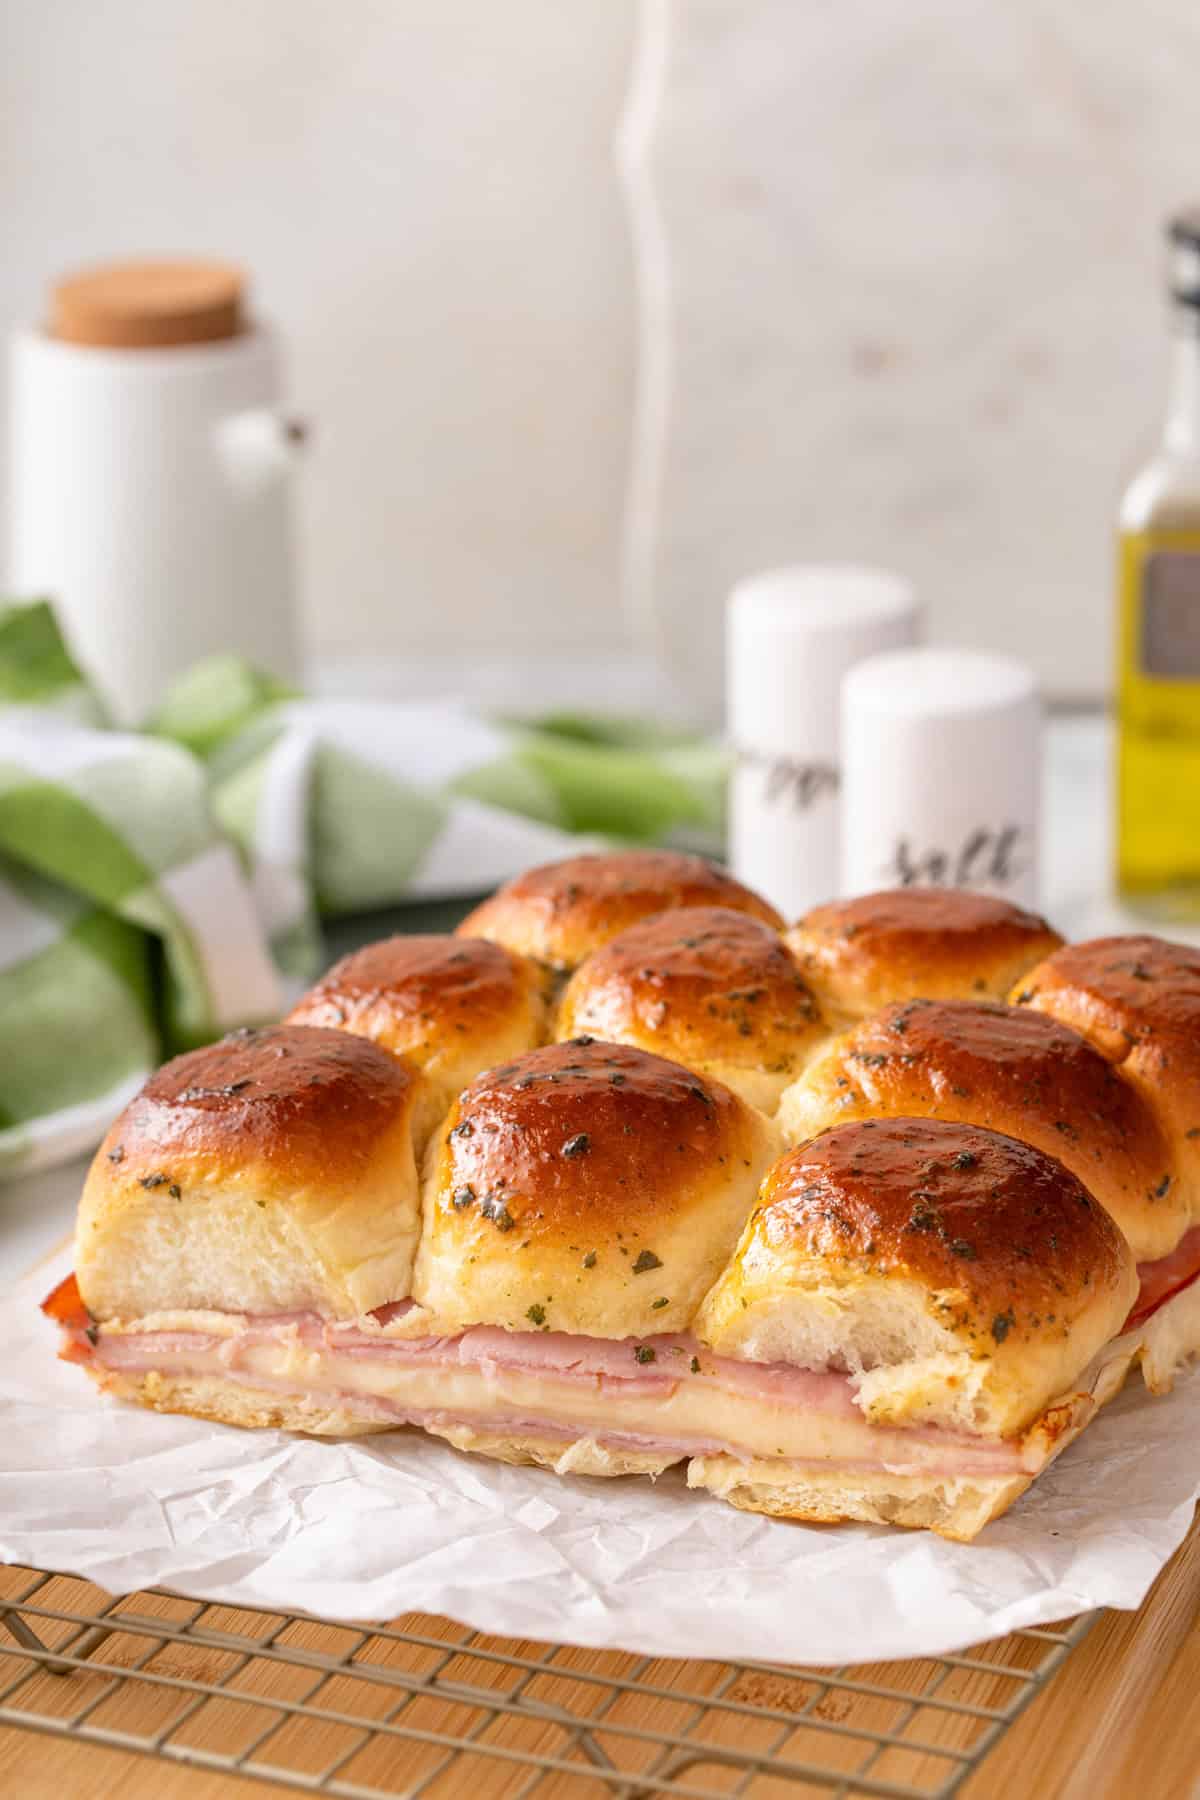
(594, 307)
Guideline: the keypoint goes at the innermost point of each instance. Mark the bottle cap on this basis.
(791, 635)
(1183, 235)
(148, 305)
(941, 769)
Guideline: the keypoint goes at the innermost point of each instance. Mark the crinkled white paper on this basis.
(380, 1526)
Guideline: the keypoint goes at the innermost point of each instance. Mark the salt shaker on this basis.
(941, 763)
(792, 634)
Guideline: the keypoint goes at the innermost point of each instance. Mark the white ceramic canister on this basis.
(791, 635)
(941, 770)
(150, 500)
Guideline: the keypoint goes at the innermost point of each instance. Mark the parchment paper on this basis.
(380, 1526)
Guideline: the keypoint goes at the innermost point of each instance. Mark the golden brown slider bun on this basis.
(713, 989)
(272, 1172)
(1012, 1070)
(560, 913)
(589, 1188)
(941, 943)
(450, 1006)
(1137, 999)
(963, 1277)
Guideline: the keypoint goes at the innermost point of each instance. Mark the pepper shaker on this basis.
(792, 634)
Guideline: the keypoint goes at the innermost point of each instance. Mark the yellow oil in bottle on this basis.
(1158, 637)
(1158, 722)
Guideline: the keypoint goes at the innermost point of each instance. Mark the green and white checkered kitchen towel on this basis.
(151, 884)
(340, 806)
(127, 927)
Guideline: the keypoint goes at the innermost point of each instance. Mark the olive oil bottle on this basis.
(1158, 642)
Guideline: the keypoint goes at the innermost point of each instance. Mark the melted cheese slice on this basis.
(668, 1396)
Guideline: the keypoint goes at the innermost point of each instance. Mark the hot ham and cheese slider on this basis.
(713, 989)
(942, 943)
(1021, 1071)
(449, 1006)
(939, 1303)
(265, 1180)
(560, 913)
(592, 1193)
(1137, 1000)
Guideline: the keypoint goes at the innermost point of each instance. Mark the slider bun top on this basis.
(1013, 1070)
(1137, 999)
(964, 1278)
(560, 913)
(944, 943)
(450, 1006)
(714, 989)
(588, 1188)
(271, 1172)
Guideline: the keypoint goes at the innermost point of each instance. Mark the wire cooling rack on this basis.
(423, 1707)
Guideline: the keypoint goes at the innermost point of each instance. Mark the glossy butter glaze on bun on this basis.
(713, 989)
(939, 943)
(560, 913)
(1012, 1070)
(1137, 999)
(270, 1172)
(967, 1282)
(450, 1006)
(588, 1188)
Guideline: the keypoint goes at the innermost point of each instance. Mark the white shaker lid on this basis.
(791, 635)
(938, 684)
(818, 597)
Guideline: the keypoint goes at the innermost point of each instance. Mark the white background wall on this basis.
(424, 191)
(916, 300)
(913, 312)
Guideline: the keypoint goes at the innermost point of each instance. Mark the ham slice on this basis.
(667, 1396)
(1168, 1276)
(601, 1363)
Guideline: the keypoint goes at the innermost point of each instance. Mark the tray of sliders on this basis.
(574, 1274)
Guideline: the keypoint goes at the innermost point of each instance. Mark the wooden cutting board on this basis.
(1120, 1719)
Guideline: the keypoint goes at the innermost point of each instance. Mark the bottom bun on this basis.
(229, 1403)
(953, 1507)
(578, 1456)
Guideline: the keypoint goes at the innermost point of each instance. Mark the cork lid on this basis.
(148, 305)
